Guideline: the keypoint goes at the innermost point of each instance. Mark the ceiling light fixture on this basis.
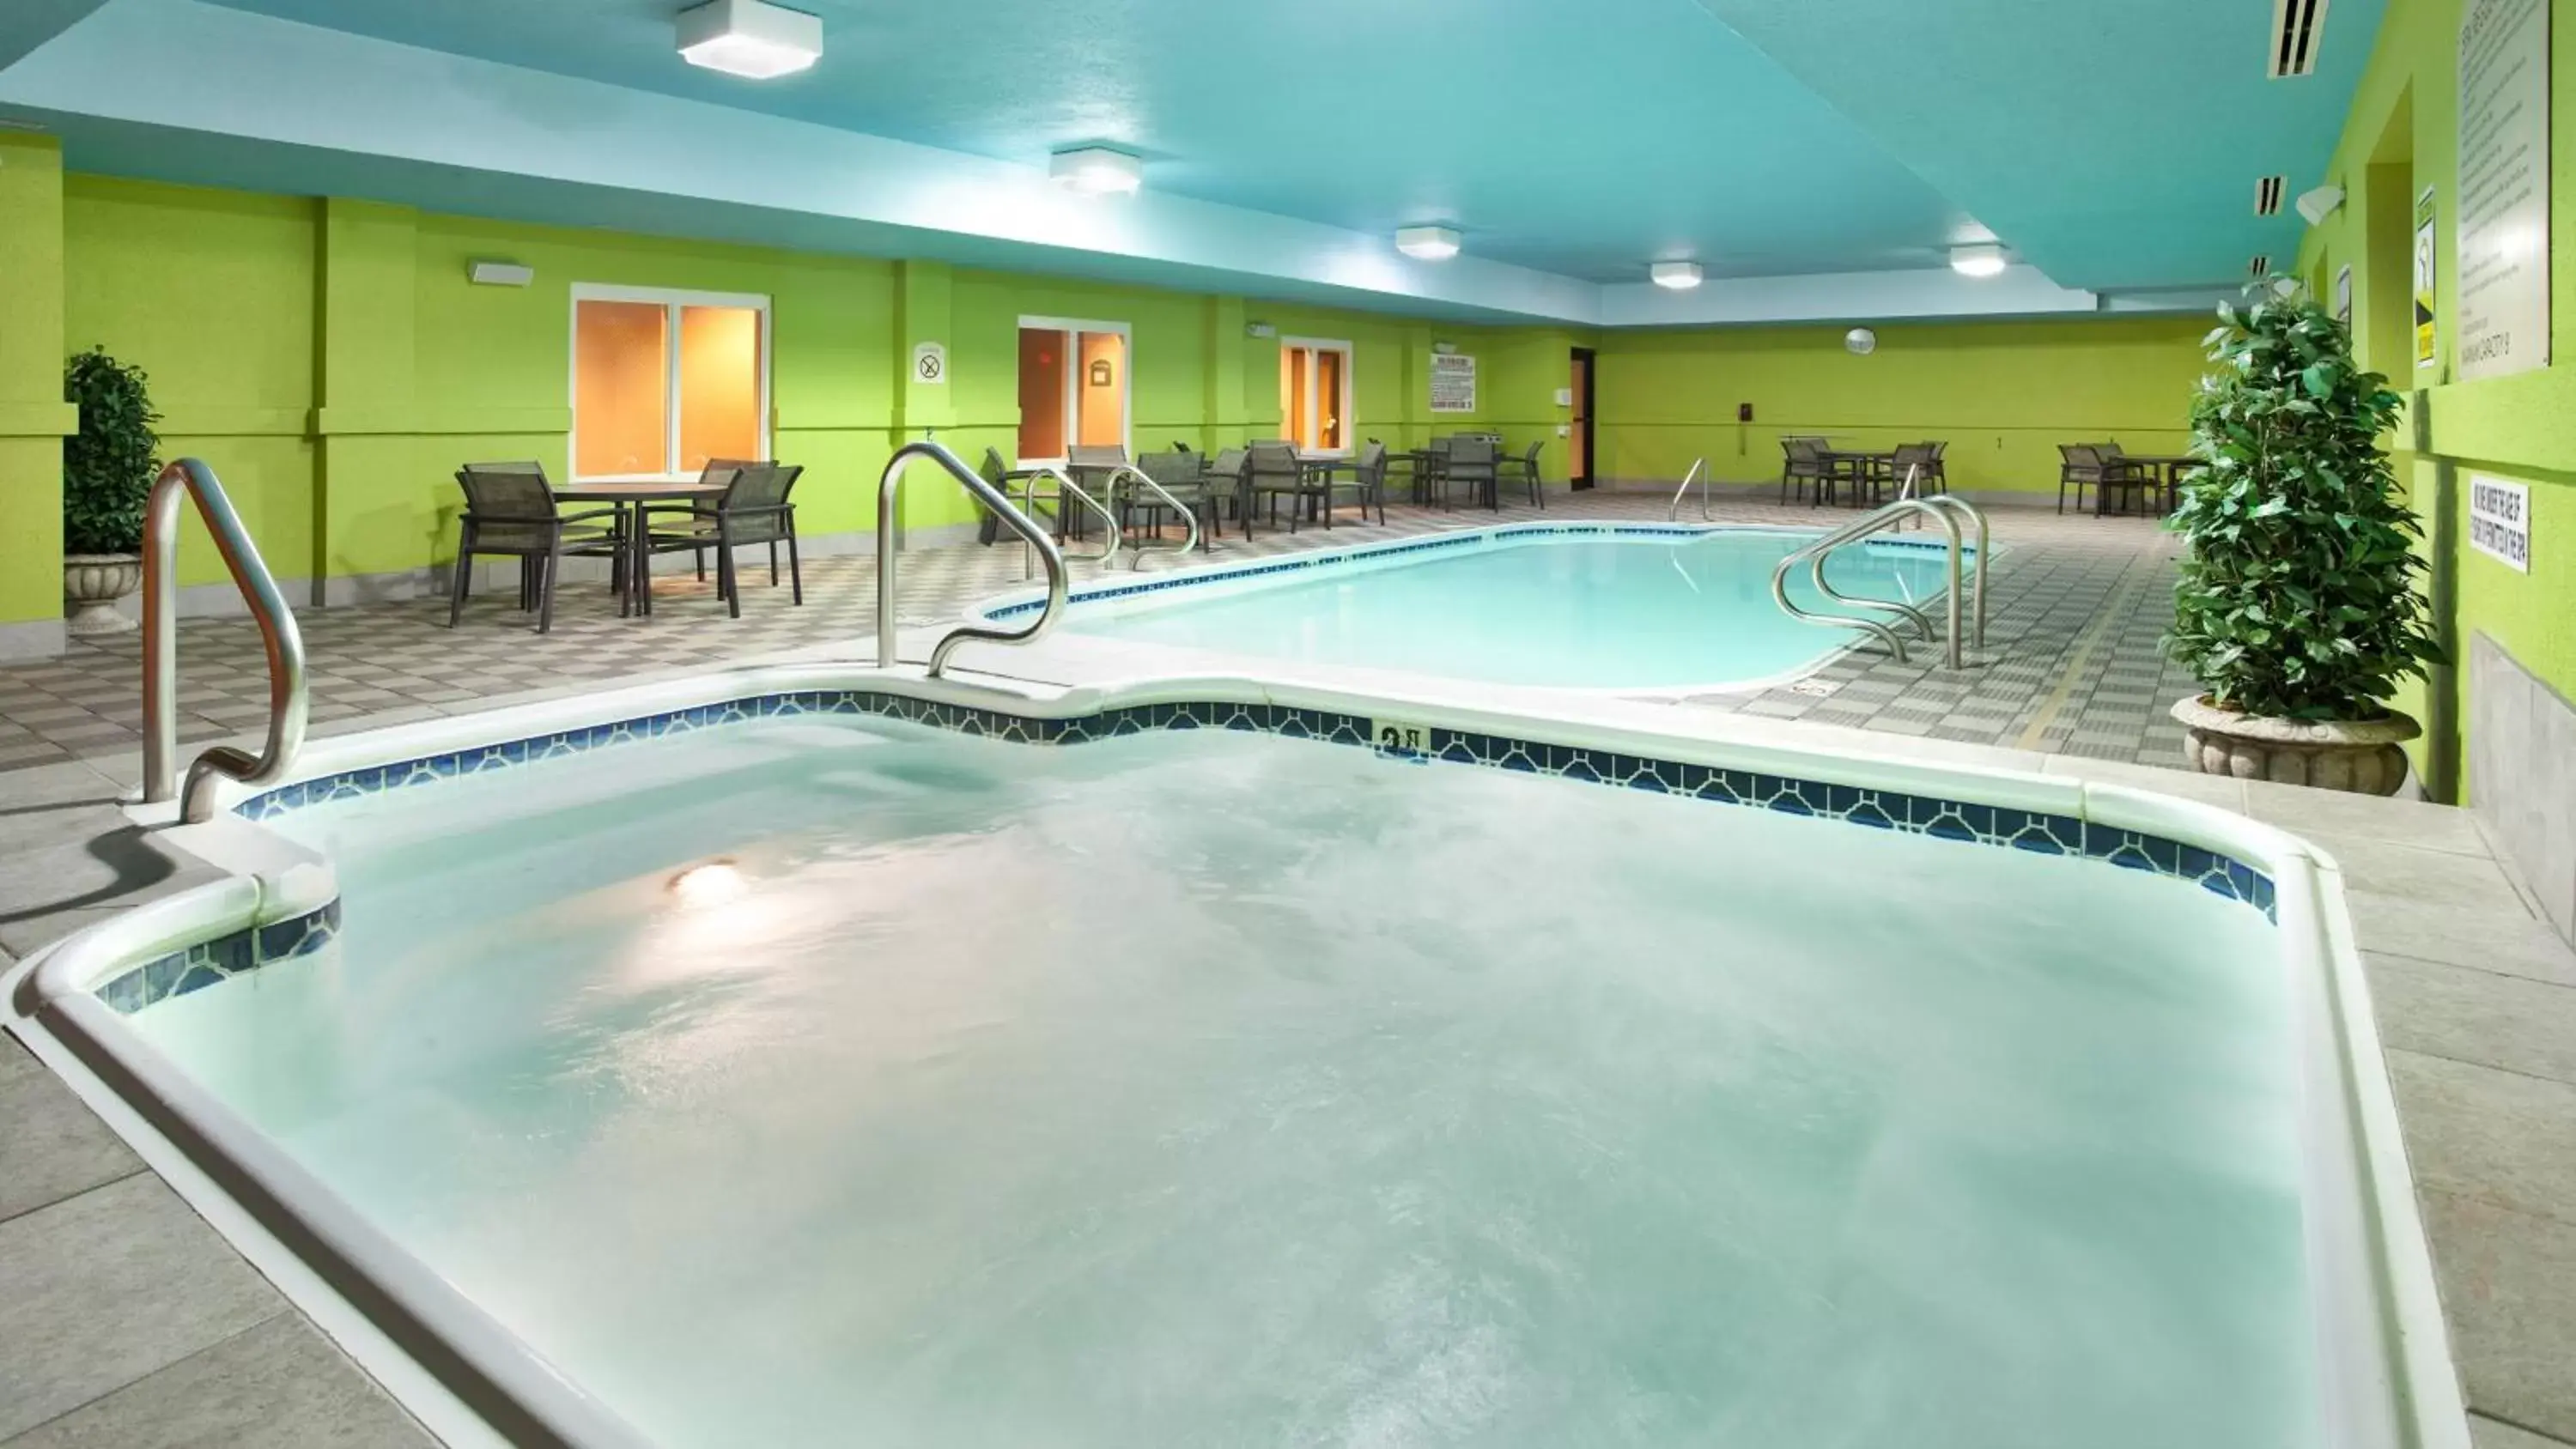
(1675, 276)
(1427, 243)
(1982, 260)
(749, 38)
(1097, 171)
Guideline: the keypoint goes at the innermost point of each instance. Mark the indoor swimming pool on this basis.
(1627, 608)
(833, 1078)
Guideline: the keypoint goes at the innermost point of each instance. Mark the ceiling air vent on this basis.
(2267, 195)
(2261, 268)
(2298, 28)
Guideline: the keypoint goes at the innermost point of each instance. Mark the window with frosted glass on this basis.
(661, 386)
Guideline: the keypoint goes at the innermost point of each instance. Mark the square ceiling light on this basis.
(1097, 171)
(1982, 259)
(749, 38)
(1675, 276)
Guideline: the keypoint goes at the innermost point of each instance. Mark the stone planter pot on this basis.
(92, 583)
(2360, 756)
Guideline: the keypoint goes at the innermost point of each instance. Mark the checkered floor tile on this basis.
(2070, 666)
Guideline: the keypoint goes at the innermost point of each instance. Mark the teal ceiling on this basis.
(2115, 145)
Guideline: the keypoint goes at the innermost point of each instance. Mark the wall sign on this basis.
(2425, 276)
(1453, 383)
(930, 364)
(2343, 295)
(1102, 374)
(2500, 520)
(2502, 248)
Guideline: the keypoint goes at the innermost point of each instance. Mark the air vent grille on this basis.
(2267, 195)
(2298, 28)
(2261, 268)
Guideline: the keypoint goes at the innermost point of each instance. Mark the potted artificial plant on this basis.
(2297, 607)
(107, 477)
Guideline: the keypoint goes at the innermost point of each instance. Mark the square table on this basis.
(635, 495)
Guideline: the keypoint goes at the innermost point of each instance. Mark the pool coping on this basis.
(1017, 603)
(2377, 1318)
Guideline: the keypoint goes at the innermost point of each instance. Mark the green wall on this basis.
(2401, 137)
(331, 360)
(2002, 394)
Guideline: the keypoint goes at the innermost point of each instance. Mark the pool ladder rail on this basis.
(1698, 474)
(289, 690)
(1012, 518)
(1942, 507)
(1163, 497)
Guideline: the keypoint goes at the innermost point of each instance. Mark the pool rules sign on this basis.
(2503, 209)
(2500, 520)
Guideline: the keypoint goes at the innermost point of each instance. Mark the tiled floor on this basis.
(124, 1319)
(2071, 664)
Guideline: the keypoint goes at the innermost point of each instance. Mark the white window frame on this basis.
(672, 300)
(1073, 381)
(1322, 344)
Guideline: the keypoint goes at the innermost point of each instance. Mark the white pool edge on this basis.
(2386, 1365)
(1305, 566)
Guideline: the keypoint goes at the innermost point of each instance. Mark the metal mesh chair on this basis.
(1273, 470)
(1527, 463)
(753, 509)
(1183, 475)
(1475, 461)
(2096, 466)
(1804, 469)
(510, 511)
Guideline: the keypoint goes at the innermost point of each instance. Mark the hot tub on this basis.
(815, 1057)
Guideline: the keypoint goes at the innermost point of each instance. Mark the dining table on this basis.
(631, 498)
(2168, 469)
(1861, 468)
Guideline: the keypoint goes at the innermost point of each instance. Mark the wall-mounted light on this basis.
(2315, 206)
(1675, 276)
(1427, 243)
(1259, 329)
(750, 38)
(1097, 171)
(1984, 259)
(499, 274)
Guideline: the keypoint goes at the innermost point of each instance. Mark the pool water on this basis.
(1232, 1090)
(1643, 612)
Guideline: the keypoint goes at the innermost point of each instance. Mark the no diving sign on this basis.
(2500, 520)
(930, 363)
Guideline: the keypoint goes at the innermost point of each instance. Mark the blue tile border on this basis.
(1883, 809)
(1343, 558)
(220, 959)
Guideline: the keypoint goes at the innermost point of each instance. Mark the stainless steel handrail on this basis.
(1698, 470)
(1003, 508)
(1984, 537)
(1126, 470)
(1065, 486)
(289, 693)
(1880, 520)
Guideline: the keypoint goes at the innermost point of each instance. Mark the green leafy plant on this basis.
(2298, 597)
(108, 467)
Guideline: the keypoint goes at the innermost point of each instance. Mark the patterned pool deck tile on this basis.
(2071, 665)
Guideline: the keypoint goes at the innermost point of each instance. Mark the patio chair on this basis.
(1366, 475)
(1475, 461)
(1936, 477)
(1806, 471)
(1181, 475)
(754, 508)
(2094, 466)
(1275, 471)
(1527, 463)
(510, 512)
(1228, 478)
(1909, 458)
(1423, 467)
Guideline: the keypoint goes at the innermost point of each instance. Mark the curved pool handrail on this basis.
(1976, 515)
(1188, 545)
(1878, 521)
(1066, 488)
(289, 692)
(1699, 471)
(1058, 584)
